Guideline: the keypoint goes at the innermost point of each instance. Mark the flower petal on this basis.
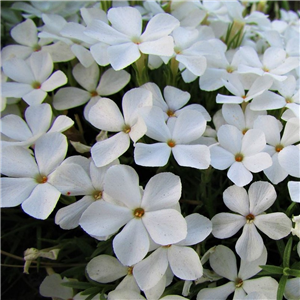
(236, 199)
(25, 33)
(103, 218)
(275, 225)
(253, 142)
(221, 158)
(257, 162)
(15, 190)
(154, 155)
(250, 244)
(239, 175)
(294, 190)
(165, 226)
(289, 159)
(131, 245)
(41, 201)
(218, 293)
(184, 262)
(162, 191)
(56, 80)
(266, 285)
(225, 225)
(149, 271)
(261, 196)
(122, 184)
(230, 138)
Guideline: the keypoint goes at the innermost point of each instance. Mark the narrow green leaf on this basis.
(92, 290)
(280, 246)
(291, 272)
(287, 253)
(281, 287)
(272, 269)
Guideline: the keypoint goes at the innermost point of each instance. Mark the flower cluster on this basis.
(156, 131)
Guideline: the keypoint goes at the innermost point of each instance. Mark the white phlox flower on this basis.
(26, 35)
(125, 38)
(223, 262)
(78, 176)
(39, 120)
(275, 144)
(250, 208)
(294, 190)
(296, 229)
(105, 268)
(174, 137)
(274, 63)
(183, 260)
(236, 87)
(288, 96)
(173, 101)
(33, 78)
(243, 154)
(110, 82)
(233, 114)
(147, 216)
(106, 115)
(28, 180)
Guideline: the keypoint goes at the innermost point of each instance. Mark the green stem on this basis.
(141, 70)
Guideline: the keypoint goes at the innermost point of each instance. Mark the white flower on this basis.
(148, 216)
(291, 290)
(38, 122)
(294, 190)
(174, 137)
(29, 178)
(182, 260)
(275, 144)
(223, 262)
(250, 210)
(125, 38)
(110, 82)
(241, 153)
(33, 78)
(76, 176)
(296, 229)
(106, 115)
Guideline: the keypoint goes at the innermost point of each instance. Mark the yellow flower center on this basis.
(36, 85)
(250, 218)
(138, 212)
(94, 93)
(126, 129)
(129, 270)
(278, 148)
(98, 195)
(171, 143)
(238, 282)
(239, 157)
(41, 179)
(171, 113)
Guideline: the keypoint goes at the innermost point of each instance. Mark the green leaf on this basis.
(291, 272)
(77, 285)
(272, 269)
(287, 253)
(92, 290)
(281, 287)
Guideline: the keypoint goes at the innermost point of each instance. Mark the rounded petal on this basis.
(122, 184)
(175, 97)
(221, 158)
(257, 162)
(15, 190)
(194, 156)
(106, 115)
(41, 201)
(236, 199)
(15, 89)
(72, 180)
(124, 294)
(266, 285)
(56, 80)
(105, 268)
(123, 55)
(162, 191)
(103, 218)
(127, 20)
(294, 190)
(131, 245)
(18, 162)
(291, 134)
(289, 159)
(15, 128)
(230, 138)
(87, 77)
(275, 225)
(41, 65)
(61, 124)
(292, 290)
(68, 217)
(223, 262)
(198, 228)
(70, 97)
(35, 96)
(253, 142)
(189, 126)
(250, 244)
(154, 155)
(239, 175)
(161, 47)
(261, 196)
(25, 33)
(184, 262)
(220, 292)
(165, 226)
(233, 115)
(149, 271)
(112, 81)
(50, 150)
(225, 225)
